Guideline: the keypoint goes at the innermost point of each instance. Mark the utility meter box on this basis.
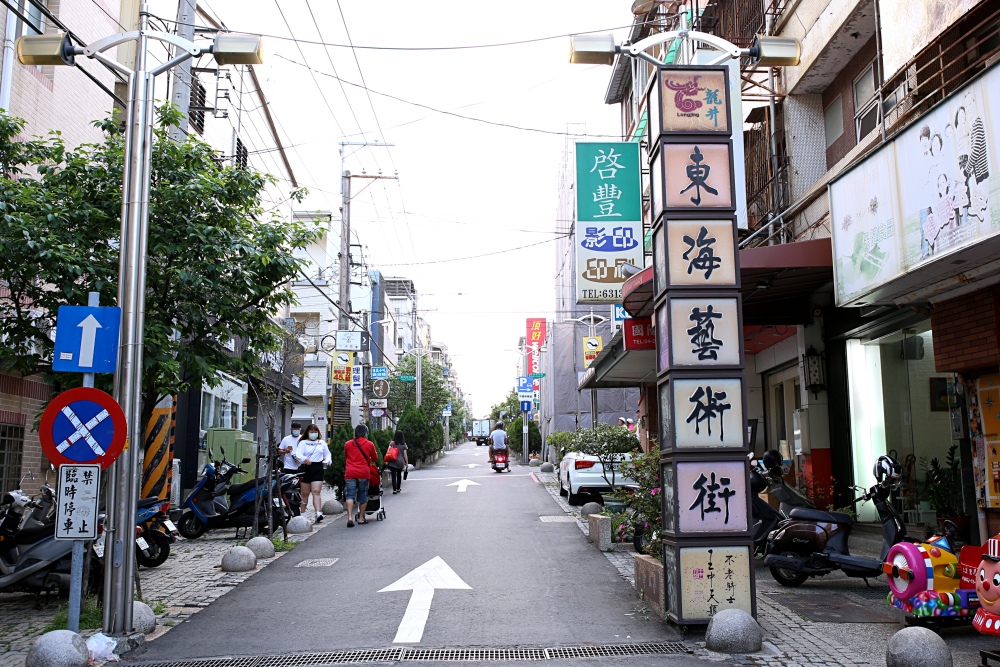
(237, 445)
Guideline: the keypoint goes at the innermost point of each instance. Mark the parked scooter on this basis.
(812, 543)
(501, 459)
(291, 492)
(765, 475)
(213, 504)
(152, 546)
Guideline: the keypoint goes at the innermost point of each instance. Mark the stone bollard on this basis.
(917, 647)
(591, 508)
(534, 463)
(238, 559)
(547, 467)
(143, 618)
(261, 547)
(59, 648)
(600, 531)
(733, 631)
(332, 507)
(298, 525)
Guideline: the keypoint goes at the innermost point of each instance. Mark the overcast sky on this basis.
(465, 188)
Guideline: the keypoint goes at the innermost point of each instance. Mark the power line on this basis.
(487, 254)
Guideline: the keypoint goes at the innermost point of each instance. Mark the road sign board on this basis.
(523, 384)
(407, 378)
(352, 341)
(342, 359)
(537, 376)
(380, 388)
(79, 495)
(377, 403)
(525, 396)
(446, 413)
(380, 372)
(377, 412)
(86, 339)
(619, 313)
(525, 406)
(81, 426)
(357, 377)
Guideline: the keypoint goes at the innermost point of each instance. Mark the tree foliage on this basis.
(424, 435)
(218, 265)
(516, 434)
(434, 394)
(609, 444)
(509, 405)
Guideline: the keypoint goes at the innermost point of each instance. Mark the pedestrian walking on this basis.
(287, 449)
(313, 456)
(360, 456)
(399, 464)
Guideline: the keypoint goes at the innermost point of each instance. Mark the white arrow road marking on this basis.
(87, 341)
(433, 574)
(82, 431)
(470, 465)
(463, 484)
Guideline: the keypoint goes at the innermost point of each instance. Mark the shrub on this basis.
(516, 434)
(334, 475)
(608, 443)
(647, 500)
(560, 440)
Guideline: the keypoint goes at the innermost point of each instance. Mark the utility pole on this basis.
(420, 375)
(181, 94)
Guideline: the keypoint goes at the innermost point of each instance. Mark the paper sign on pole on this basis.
(342, 374)
(592, 346)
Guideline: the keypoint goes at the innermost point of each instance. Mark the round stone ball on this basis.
(298, 525)
(332, 507)
(917, 647)
(59, 648)
(261, 547)
(238, 559)
(733, 631)
(143, 618)
(592, 508)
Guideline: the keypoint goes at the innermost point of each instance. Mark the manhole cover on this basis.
(562, 518)
(317, 562)
(835, 608)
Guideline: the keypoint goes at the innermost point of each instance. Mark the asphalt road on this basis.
(530, 583)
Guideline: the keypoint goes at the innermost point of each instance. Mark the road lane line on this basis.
(532, 475)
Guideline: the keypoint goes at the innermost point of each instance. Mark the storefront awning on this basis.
(615, 367)
(777, 281)
(637, 294)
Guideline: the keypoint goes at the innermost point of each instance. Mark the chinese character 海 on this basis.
(609, 162)
(684, 91)
(711, 408)
(703, 333)
(698, 173)
(705, 261)
(707, 493)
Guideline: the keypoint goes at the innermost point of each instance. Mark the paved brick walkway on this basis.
(188, 581)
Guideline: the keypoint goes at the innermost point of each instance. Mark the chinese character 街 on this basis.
(708, 489)
(711, 408)
(705, 261)
(703, 334)
(698, 173)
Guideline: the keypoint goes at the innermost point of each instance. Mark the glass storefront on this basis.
(899, 406)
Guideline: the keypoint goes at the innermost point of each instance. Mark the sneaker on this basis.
(319, 517)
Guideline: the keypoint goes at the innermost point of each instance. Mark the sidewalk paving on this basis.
(187, 582)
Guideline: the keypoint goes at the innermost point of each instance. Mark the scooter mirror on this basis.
(246, 460)
(223, 450)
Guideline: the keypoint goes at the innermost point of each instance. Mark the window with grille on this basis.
(11, 446)
(241, 154)
(196, 112)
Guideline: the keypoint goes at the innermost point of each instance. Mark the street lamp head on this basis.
(230, 49)
(54, 49)
(592, 49)
(769, 51)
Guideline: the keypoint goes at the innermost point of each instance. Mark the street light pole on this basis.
(420, 375)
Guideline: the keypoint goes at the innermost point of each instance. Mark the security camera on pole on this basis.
(123, 489)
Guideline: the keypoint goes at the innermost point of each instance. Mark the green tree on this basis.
(218, 266)
(516, 434)
(334, 474)
(511, 405)
(434, 393)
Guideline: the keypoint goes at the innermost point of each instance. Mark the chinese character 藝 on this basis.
(698, 173)
(703, 333)
(683, 91)
(707, 493)
(610, 162)
(711, 408)
(705, 260)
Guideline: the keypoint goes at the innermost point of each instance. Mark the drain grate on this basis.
(361, 656)
(317, 562)
(561, 518)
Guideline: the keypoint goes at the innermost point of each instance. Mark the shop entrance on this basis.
(783, 398)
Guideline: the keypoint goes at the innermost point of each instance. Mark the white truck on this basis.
(481, 429)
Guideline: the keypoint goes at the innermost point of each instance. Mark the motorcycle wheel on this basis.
(789, 578)
(640, 539)
(159, 549)
(190, 527)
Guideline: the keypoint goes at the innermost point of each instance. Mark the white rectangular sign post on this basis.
(349, 341)
(78, 496)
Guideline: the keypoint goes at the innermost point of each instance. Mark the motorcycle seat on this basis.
(32, 535)
(240, 488)
(819, 516)
(149, 502)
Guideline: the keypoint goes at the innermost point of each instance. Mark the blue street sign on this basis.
(525, 406)
(86, 339)
(619, 313)
(380, 372)
(524, 385)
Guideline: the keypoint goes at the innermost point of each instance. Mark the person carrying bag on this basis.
(360, 473)
(398, 464)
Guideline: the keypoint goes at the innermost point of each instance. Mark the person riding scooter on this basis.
(498, 441)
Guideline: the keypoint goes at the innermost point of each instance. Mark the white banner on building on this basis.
(908, 26)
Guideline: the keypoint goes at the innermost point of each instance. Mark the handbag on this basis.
(391, 454)
(373, 474)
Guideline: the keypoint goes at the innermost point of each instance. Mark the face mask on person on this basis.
(296, 432)
(313, 435)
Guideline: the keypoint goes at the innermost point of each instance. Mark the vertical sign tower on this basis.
(707, 550)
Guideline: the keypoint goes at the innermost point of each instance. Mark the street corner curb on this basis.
(59, 648)
(130, 644)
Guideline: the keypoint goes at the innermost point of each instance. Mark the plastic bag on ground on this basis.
(102, 648)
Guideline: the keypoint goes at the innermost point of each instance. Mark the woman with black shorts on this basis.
(315, 456)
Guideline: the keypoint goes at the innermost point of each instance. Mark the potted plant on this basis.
(610, 445)
(943, 488)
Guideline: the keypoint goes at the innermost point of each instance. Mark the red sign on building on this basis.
(534, 338)
(638, 334)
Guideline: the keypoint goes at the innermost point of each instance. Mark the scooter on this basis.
(765, 475)
(212, 503)
(501, 459)
(158, 532)
(291, 492)
(811, 543)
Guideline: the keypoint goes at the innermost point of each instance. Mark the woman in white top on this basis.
(313, 455)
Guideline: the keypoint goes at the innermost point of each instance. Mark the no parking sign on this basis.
(83, 426)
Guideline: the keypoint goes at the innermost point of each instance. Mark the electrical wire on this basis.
(487, 254)
(346, 314)
(448, 113)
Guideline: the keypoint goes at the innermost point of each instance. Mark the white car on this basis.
(582, 474)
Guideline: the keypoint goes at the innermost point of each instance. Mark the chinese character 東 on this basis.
(698, 173)
(711, 408)
(706, 260)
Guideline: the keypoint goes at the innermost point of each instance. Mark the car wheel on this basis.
(573, 498)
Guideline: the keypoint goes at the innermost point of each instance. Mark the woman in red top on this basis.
(359, 453)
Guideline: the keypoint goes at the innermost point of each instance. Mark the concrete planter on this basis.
(649, 582)
(600, 534)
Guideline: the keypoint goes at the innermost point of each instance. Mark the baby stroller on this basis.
(374, 506)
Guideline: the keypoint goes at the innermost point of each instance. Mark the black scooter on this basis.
(811, 543)
(765, 517)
